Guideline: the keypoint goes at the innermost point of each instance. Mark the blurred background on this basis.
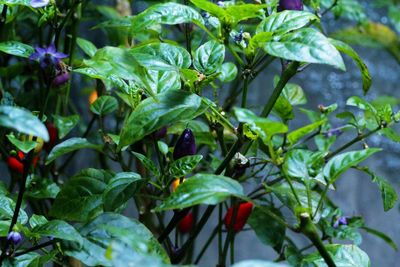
(356, 195)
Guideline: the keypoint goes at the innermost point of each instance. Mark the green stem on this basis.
(207, 244)
(352, 142)
(245, 89)
(287, 74)
(308, 228)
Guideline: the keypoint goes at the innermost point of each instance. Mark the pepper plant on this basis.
(170, 139)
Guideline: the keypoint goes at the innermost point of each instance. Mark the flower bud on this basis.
(186, 145)
(333, 132)
(343, 220)
(14, 237)
(290, 5)
(243, 213)
(186, 224)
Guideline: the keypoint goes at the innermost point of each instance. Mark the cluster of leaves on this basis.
(151, 81)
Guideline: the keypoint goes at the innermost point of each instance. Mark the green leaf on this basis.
(296, 135)
(171, 54)
(240, 12)
(31, 259)
(294, 94)
(65, 124)
(228, 72)
(16, 48)
(348, 50)
(25, 145)
(22, 121)
(68, 146)
(388, 193)
(343, 255)
(81, 197)
(258, 263)
(369, 34)
(286, 21)
(381, 235)
(88, 47)
(120, 189)
(165, 13)
(340, 163)
(36, 220)
(265, 128)
(7, 207)
(209, 57)
(184, 166)
(107, 228)
(283, 108)
(394, 16)
(201, 189)
(104, 105)
(298, 163)
(151, 115)
(271, 233)
(305, 45)
(58, 229)
(163, 147)
(41, 188)
(147, 163)
(210, 7)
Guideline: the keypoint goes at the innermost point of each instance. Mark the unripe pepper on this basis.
(176, 183)
(93, 97)
(290, 5)
(14, 237)
(186, 224)
(186, 145)
(242, 214)
(161, 133)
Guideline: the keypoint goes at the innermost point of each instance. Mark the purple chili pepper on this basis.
(186, 145)
(290, 5)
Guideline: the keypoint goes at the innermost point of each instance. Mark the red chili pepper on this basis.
(243, 213)
(15, 162)
(53, 136)
(186, 224)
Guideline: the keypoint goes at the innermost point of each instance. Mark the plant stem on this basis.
(287, 74)
(245, 89)
(308, 228)
(39, 246)
(352, 142)
(207, 244)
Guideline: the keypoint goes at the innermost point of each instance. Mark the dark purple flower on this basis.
(239, 36)
(47, 56)
(14, 237)
(343, 220)
(333, 132)
(39, 3)
(290, 5)
(186, 145)
(205, 15)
